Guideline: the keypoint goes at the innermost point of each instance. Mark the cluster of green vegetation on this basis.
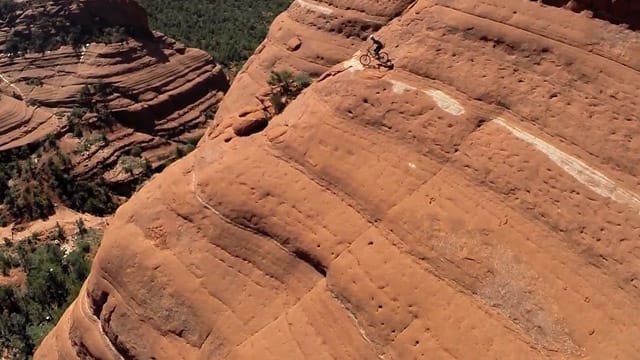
(53, 280)
(229, 30)
(31, 180)
(285, 87)
(136, 165)
(22, 192)
(34, 81)
(87, 142)
(43, 30)
(28, 188)
(87, 196)
(10, 7)
(92, 99)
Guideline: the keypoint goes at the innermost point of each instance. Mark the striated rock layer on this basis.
(164, 91)
(478, 201)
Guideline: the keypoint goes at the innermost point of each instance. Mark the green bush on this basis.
(135, 151)
(34, 81)
(8, 7)
(210, 113)
(277, 103)
(77, 113)
(77, 131)
(302, 80)
(5, 263)
(285, 87)
(180, 152)
(28, 200)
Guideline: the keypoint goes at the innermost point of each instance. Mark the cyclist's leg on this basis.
(376, 51)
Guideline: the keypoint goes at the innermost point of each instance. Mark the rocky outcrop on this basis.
(478, 200)
(161, 94)
(310, 37)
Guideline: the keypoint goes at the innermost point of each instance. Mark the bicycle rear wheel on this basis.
(383, 57)
(365, 59)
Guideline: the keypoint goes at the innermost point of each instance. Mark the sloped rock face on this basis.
(164, 92)
(479, 200)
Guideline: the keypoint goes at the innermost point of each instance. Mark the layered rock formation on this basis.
(162, 94)
(477, 201)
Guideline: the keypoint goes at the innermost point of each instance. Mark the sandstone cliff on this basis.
(477, 201)
(159, 92)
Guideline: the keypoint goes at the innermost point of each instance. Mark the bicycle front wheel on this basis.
(365, 59)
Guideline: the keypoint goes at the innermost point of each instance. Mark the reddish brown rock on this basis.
(166, 94)
(294, 44)
(251, 123)
(479, 200)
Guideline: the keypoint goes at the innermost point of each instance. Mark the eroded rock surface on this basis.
(478, 201)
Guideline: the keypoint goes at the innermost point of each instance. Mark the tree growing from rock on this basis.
(285, 87)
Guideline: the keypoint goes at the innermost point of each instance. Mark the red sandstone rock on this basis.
(478, 201)
(169, 89)
(294, 44)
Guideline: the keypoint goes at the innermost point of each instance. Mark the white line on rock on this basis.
(354, 63)
(11, 84)
(444, 101)
(315, 7)
(593, 179)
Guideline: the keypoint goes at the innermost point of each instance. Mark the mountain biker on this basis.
(377, 45)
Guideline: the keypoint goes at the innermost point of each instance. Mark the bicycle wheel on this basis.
(365, 59)
(384, 57)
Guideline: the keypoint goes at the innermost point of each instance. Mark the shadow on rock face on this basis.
(251, 124)
(615, 11)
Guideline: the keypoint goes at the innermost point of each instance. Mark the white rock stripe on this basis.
(444, 101)
(354, 63)
(11, 84)
(582, 172)
(315, 7)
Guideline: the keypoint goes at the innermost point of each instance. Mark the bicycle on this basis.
(382, 57)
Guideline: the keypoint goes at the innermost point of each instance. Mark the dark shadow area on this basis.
(144, 120)
(312, 261)
(618, 12)
(386, 65)
(42, 27)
